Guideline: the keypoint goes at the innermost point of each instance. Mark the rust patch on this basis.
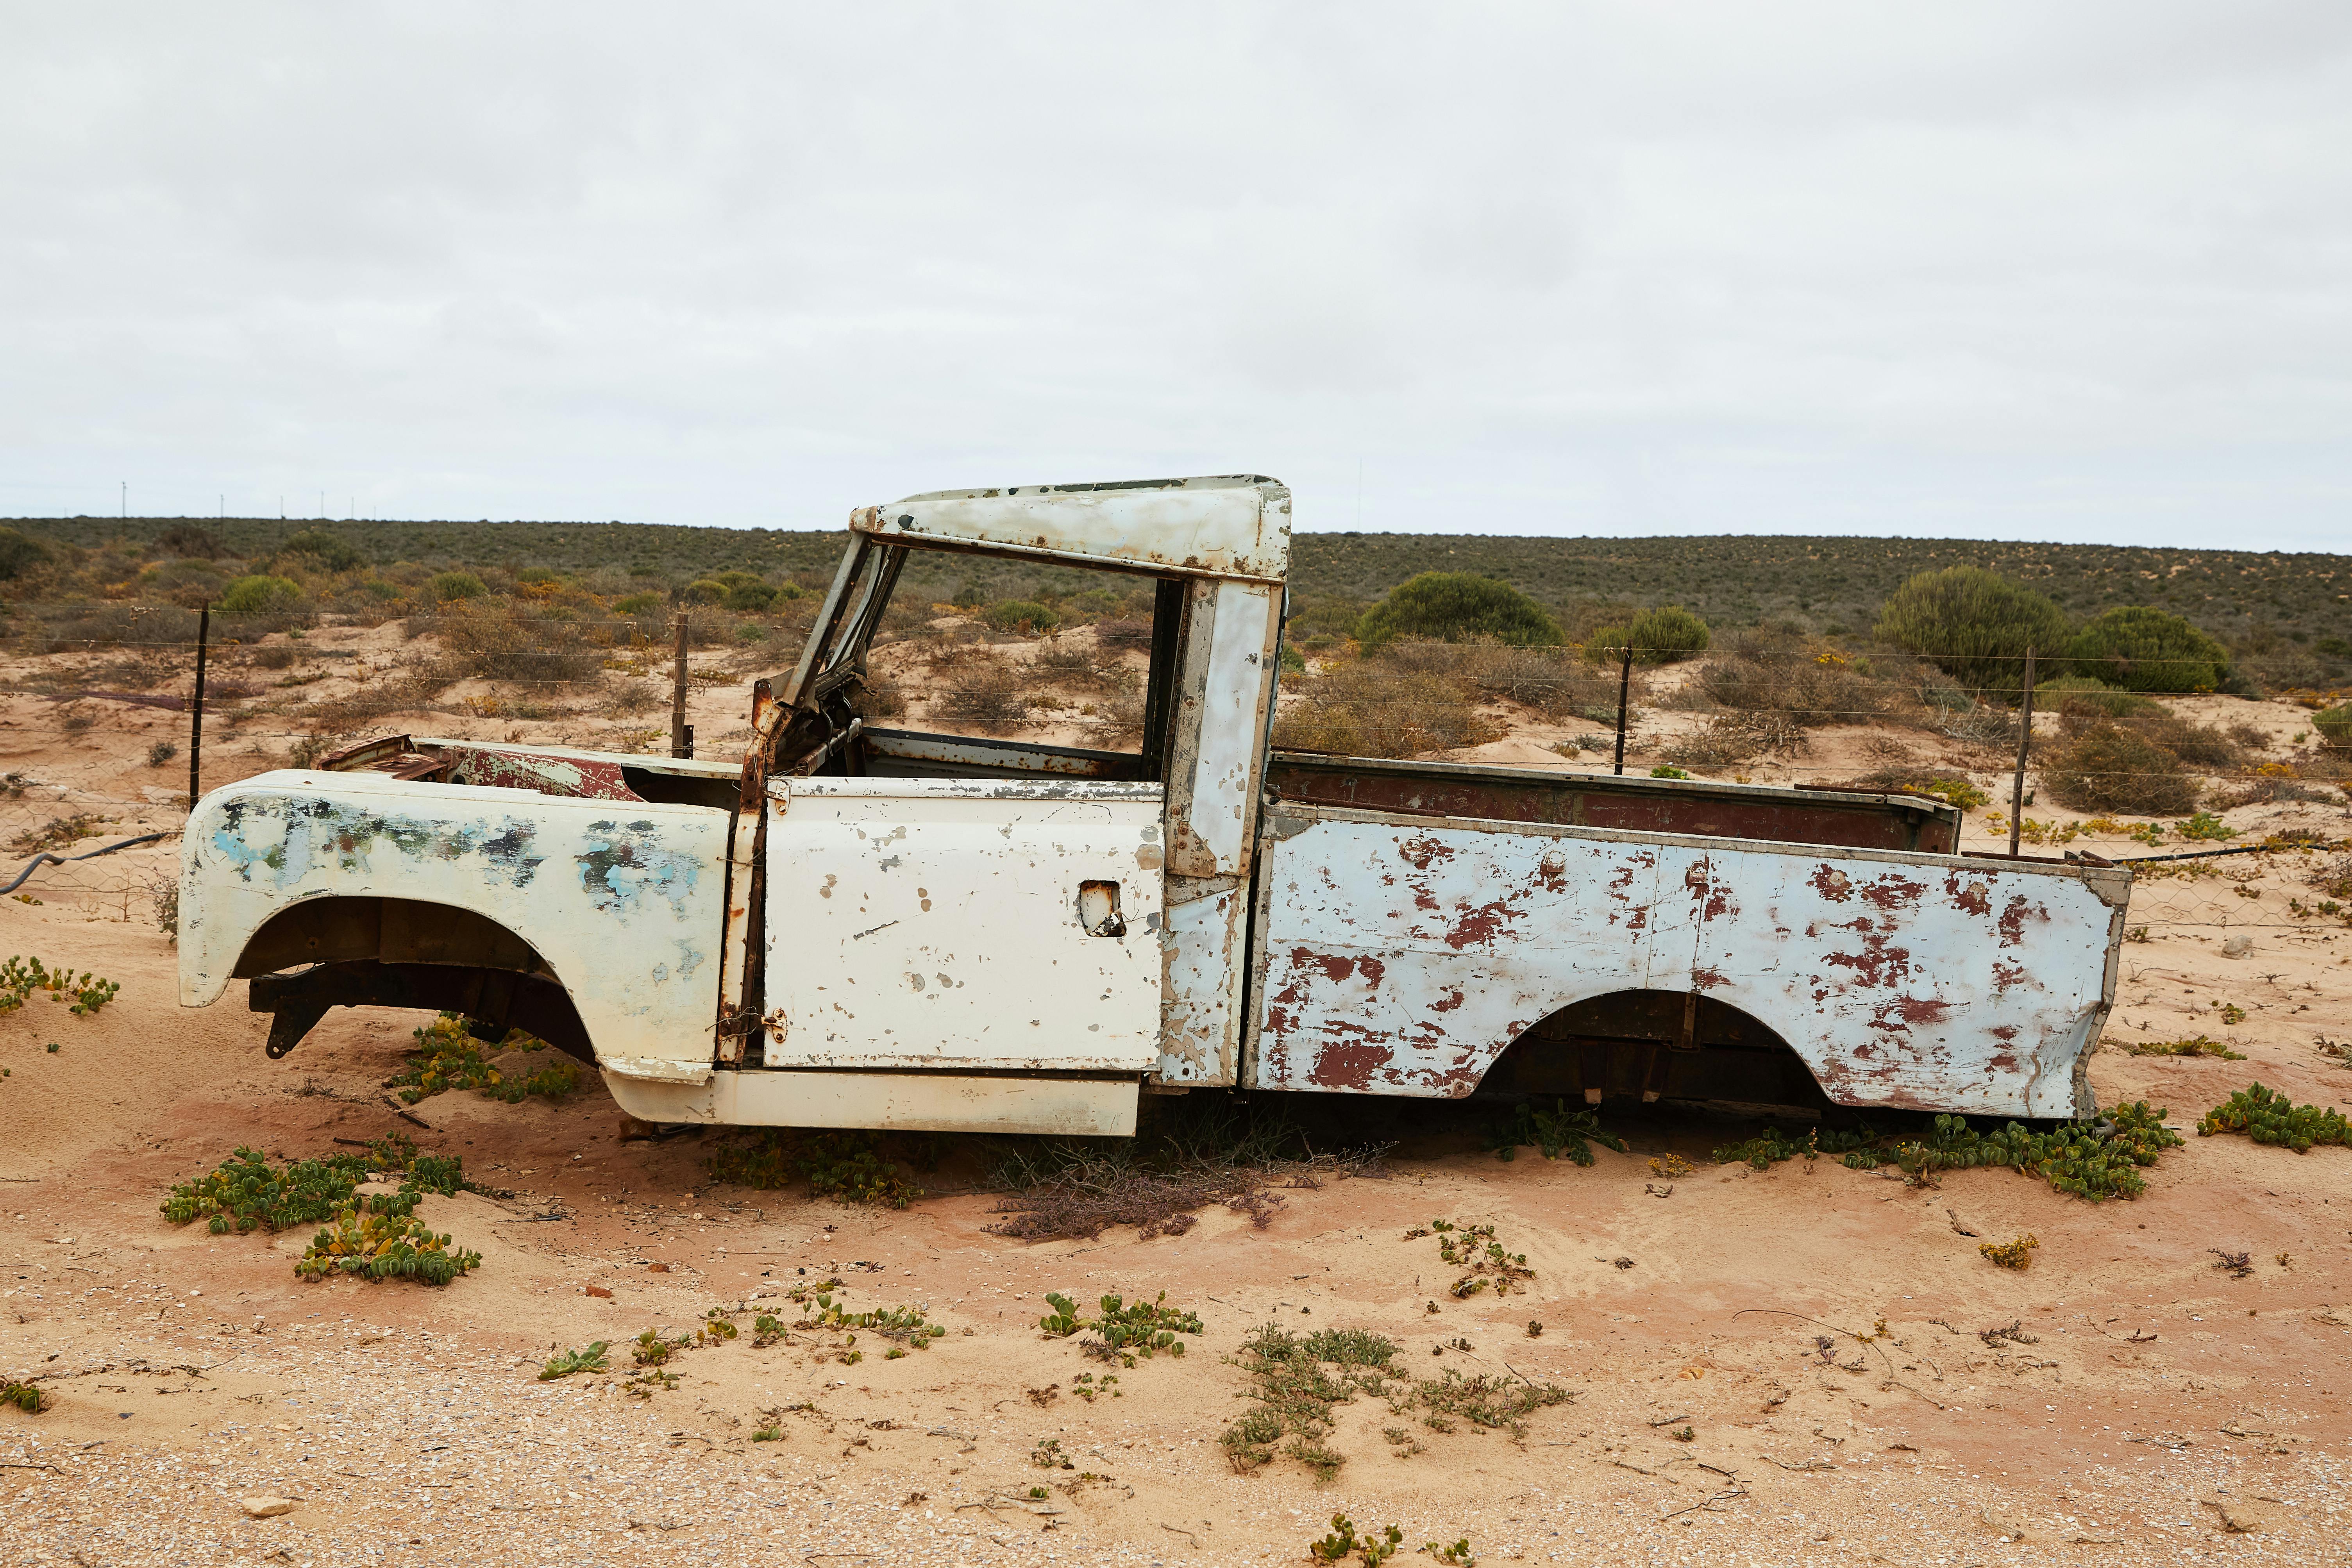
(1551, 874)
(2003, 1032)
(1893, 892)
(1371, 968)
(1879, 963)
(1424, 852)
(2006, 978)
(1831, 883)
(1446, 1003)
(1971, 895)
(1708, 980)
(1480, 924)
(1334, 966)
(2014, 915)
(1348, 1066)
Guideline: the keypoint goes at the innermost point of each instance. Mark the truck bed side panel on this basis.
(1402, 954)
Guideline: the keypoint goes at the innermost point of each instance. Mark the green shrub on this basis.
(639, 603)
(2335, 726)
(2144, 650)
(1025, 615)
(2081, 696)
(1666, 635)
(17, 551)
(380, 1245)
(328, 550)
(2269, 1117)
(260, 595)
(1975, 624)
(2109, 768)
(1458, 607)
(449, 586)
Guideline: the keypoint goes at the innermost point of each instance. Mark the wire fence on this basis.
(95, 748)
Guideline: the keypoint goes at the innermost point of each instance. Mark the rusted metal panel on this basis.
(939, 922)
(905, 754)
(1206, 957)
(624, 902)
(1234, 526)
(586, 778)
(1862, 820)
(907, 1102)
(1402, 954)
(1222, 693)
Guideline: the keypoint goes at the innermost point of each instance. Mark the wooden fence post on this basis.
(2024, 742)
(197, 711)
(680, 745)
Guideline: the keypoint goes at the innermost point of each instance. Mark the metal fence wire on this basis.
(96, 720)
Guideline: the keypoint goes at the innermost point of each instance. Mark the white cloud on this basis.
(2061, 272)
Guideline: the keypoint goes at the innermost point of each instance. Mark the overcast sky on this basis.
(2070, 272)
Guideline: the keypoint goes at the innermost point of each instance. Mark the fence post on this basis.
(1624, 685)
(196, 710)
(679, 746)
(2024, 741)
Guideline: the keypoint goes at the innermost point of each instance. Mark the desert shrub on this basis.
(453, 587)
(1065, 663)
(2143, 650)
(260, 596)
(498, 640)
(639, 604)
(1022, 615)
(2199, 744)
(847, 1166)
(1457, 607)
(18, 551)
(1730, 737)
(190, 542)
(704, 590)
(2335, 726)
(1916, 781)
(1976, 624)
(275, 656)
(1666, 635)
(2081, 697)
(331, 551)
(2269, 1117)
(1125, 636)
(1550, 680)
(2108, 768)
(1370, 707)
(448, 1055)
(378, 1246)
(1812, 684)
(986, 695)
(112, 625)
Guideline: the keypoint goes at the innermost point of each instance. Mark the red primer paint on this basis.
(1893, 892)
(1348, 1066)
(1831, 883)
(1968, 894)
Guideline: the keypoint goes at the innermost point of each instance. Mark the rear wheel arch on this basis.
(1656, 1044)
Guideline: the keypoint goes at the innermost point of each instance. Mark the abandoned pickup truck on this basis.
(858, 926)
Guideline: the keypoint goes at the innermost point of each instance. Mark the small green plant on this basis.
(768, 1434)
(2205, 825)
(1484, 1261)
(1128, 1330)
(384, 1247)
(246, 1193)
(766, 1329)
(1295, 1382)
(846, 1166)
(905, 1325)
(1088, 1387)
(2232, 1013)
(1343, 1542)
(1037, 1494)
(2017, 1253)
(1047, 1455)
(565, 1363)
(1457, 607)
(2269, 1117)
(1026, 615)
(449, 1056)
(1557, 1132)
(1457, 1555)
(1482, 1399)
(1665, 770)
(2097, 1159)
(21, 976)
(650, 1349)
(1683, 1434)
(2200, 1046)
(22, 1396)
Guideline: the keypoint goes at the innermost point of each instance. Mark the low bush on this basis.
(2269, 1117)
(448, 1055)
(1975, 624)
(378, 1246)
(1373, 707)
(331, 551)
(506, 640)
(19, 552)
(260, 596)
(2094, 1160)
(2108, 768)
(21, 976)
(1666, 635)
(849, 1166)
(1562, 1130)
(984, 696)
(1026, 617)
(455, 586)
(1122, 1329)
(2335, 726)
(1457, 607)
(2081, 696)
(2144, 650)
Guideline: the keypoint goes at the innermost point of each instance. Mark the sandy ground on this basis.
(2153, 1408)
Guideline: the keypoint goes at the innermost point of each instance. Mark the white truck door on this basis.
(954, 922)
